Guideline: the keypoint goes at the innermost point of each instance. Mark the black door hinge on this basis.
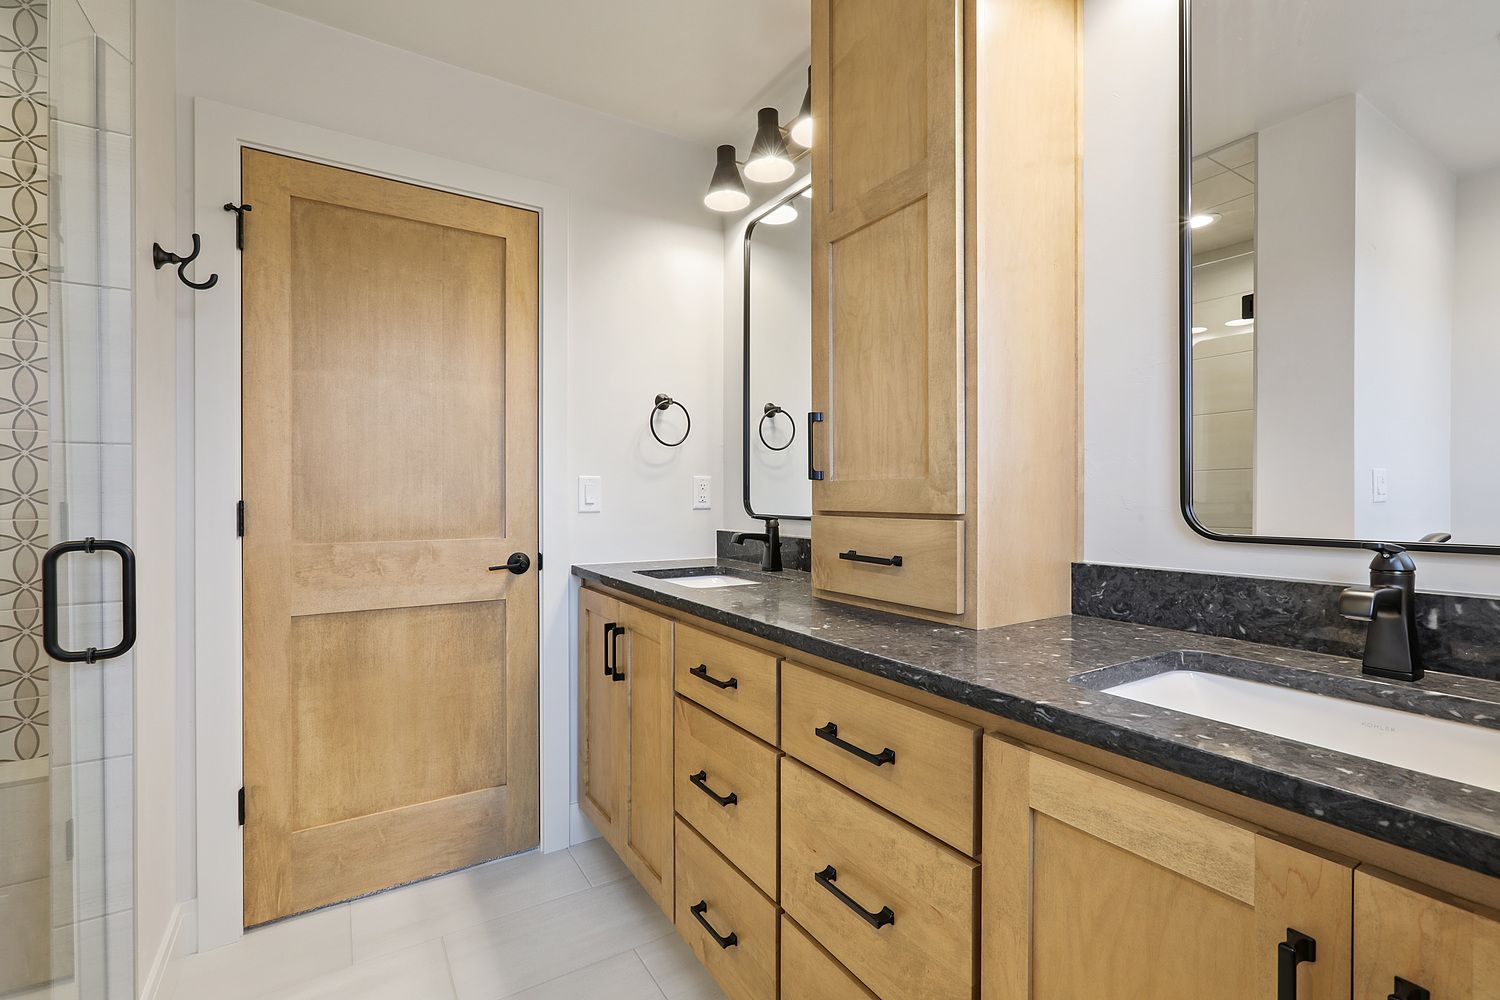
(239, 519)
(538, 562)
(242, 805)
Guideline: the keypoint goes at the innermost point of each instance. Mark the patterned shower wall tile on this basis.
(23, 391)
(23, 729)
(23, 46)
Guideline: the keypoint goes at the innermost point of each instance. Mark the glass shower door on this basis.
(66, 488)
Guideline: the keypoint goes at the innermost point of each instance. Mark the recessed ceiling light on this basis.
(1203, 220)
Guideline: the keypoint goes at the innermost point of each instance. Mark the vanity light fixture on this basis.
(726, 192)
(780, 215)
(801, 129)
(770, 161)
(1203, 220)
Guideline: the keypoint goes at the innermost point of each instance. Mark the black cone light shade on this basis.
(801, 131)
(769, 161)
(726, 192)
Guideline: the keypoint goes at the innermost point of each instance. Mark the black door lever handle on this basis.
(518, 563)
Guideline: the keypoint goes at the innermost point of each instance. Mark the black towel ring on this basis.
(664, 402)
(771, 410)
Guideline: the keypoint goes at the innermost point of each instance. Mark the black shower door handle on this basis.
(49, 601)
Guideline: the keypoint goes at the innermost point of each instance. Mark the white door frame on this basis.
(220, 132)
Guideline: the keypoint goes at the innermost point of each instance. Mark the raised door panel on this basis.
(603, 720)
(644, 644)
(887, 264)
(1089, 880)
(1407, 933)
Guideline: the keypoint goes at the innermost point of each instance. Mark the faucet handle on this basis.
(1390, 558)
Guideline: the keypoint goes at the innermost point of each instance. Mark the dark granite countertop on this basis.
(1021, 672)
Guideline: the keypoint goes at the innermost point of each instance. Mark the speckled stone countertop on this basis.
(1021, 672)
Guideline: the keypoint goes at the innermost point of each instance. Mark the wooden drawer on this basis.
(930, 573)
(738, 682)
(932, 768)
(728, 763)
(809, 971)
(832, 842)
(711, 892)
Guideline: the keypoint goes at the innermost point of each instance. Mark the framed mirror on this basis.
(1340, 221)
(778, 358)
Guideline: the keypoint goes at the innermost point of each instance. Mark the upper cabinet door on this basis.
(887, 261)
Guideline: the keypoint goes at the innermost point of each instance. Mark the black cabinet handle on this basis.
(609, 631)
(698, 910)
(614, 658)
(518, 563)
(701, 780)
(827, 877)
(701, 672)
(830, 733)
(1409, 991)
(49, 601)
(853, 556)
(1296, 949)
(813, 472)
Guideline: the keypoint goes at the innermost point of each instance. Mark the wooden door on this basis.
(603, 706)
(390, 463)
(1094, 884)
(1449, 948)
(887, 265)
(645, 657)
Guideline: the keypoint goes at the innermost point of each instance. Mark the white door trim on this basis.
(220, 132)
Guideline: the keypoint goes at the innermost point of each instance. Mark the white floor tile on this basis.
(419, 973)
(622, 977)
(677, 971)
(532, 947)
(599, 862)
(391, 921)
(280, 956)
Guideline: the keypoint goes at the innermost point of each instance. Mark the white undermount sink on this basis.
(1453, 750)
(713, 582)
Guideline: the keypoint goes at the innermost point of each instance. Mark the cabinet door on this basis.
(887, 264)
(1403, 933)
(602, 715)
(1092, 882)
(645, 658)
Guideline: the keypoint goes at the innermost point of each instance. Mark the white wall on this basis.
(1130, 319)
(1476, 360)
(644, 259)
(1403, 291)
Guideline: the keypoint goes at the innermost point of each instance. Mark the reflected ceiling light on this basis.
(1203, 220)
(1240, 322)
(807, 193)
(801, 130)
(726, 192)
(1247, 311)
(1200, 329)
(780, 215)
(769, 161)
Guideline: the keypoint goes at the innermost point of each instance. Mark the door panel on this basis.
(645, 655)
(603, 712)
(389, 461)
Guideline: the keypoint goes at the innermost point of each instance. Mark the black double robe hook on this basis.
(163, 257)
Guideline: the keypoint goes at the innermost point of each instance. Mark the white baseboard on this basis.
(580, 830)
(161, 979)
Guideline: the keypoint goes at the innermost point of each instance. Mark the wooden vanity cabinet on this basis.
(625, 735)
(944, 306)
(1092, 882)
(1408, 938)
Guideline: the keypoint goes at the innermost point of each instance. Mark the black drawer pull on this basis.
(826, 879)
(853, 556)
(1296, 949)
(701, 672)
(701, 780)
(698, 910)
(614, 643)
(609, 631)
(830, 733)
(1409, 991)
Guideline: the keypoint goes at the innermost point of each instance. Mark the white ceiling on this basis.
(683, 67)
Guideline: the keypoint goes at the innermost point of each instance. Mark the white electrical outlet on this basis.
(703, 492)
(1380, 486)
(590, 495)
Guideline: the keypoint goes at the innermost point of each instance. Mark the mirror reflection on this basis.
(778, 358)
(1344, 221)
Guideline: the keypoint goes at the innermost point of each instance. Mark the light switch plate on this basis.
(590, 495)
(703, 492)
(1380, 486)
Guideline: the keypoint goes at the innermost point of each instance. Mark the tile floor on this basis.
(567, 926)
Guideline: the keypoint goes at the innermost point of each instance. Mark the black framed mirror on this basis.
(777, 343)
(1339, 177)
